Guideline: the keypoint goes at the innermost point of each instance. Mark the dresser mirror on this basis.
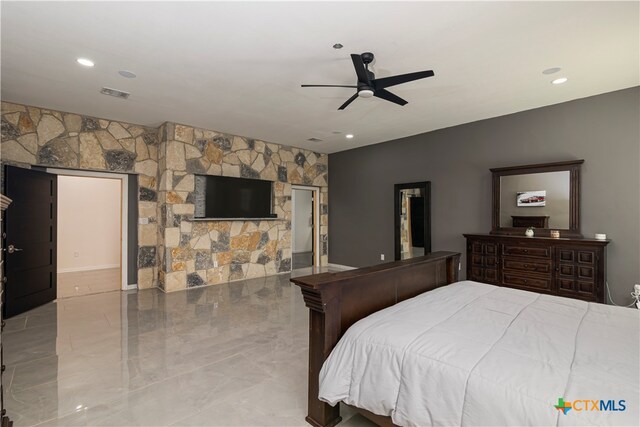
(544, 197)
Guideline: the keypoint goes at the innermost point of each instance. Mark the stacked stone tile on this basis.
(36, 136)
(194, 253)
(174, 251)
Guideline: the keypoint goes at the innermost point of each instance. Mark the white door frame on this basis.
(316, 221)
(124, 178)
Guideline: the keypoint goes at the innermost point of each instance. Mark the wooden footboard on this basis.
(338, 300)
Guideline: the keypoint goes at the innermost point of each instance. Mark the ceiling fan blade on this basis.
(402, 78)
(361, 70)
(352, 87)
(388, 96)
(349, 101)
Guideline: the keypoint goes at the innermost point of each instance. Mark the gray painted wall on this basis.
(604, 130)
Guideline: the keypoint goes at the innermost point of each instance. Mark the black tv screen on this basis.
(228, 197)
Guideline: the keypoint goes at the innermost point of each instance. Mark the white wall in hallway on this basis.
(89, 230)
(302, 228)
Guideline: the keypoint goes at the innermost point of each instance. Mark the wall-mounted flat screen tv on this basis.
(229, 197)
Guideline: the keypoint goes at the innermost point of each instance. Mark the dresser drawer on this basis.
(528, 251)
(509, 279)
(484, 275)
(519, 264)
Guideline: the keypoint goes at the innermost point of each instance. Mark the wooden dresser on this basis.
(4, 203)
(568, 267)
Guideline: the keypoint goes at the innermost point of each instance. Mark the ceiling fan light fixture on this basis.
(365, 93)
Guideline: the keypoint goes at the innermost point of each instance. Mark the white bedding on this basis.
(475, 354)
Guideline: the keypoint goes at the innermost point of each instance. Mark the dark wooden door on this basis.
(30, 242)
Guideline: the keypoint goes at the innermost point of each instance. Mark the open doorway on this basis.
(31, 233)
(89, 243)
(304, 220)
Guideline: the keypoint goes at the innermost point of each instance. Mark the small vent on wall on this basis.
(314, 140)
(114, 92)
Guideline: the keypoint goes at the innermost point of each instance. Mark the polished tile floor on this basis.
(89, 282)
(232, 355)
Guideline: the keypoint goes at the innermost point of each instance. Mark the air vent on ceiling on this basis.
(314, 140)
(114, 92)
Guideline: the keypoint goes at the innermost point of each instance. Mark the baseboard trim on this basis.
(89, 268)
(340, 266)
(132, 287)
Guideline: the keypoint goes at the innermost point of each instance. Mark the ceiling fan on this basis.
(369, 86)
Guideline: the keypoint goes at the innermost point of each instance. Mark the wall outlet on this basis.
(144, 221)
(215, 264)
(76, 254)
(381, 257)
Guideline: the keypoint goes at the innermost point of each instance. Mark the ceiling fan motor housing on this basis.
(367, 57)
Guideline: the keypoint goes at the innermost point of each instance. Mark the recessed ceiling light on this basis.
(86, 62)
(337, 46)
(551, 70)
(559, 81)
(349, 136)
(127, 74)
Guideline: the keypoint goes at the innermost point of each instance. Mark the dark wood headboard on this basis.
(338, 300)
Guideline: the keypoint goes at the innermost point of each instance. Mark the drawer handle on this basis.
(525, 280)
(526, 266)
(526, 251)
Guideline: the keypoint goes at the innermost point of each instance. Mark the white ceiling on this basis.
(237, 67)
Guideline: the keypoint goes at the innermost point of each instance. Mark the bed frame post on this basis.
(453, 269)
(324, 332)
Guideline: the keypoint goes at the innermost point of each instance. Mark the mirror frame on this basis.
(425, 186)
(573, 166)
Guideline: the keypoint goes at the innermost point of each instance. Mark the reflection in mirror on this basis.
(413, 234)
(411, 223)
(539, 200)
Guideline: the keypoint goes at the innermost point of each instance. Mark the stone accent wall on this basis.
(176, 252)
(36, 136)
(196, 253)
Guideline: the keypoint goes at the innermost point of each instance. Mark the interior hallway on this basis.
(231, 354)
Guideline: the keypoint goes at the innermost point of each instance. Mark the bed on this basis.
(465, 353)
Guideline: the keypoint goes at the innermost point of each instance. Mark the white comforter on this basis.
(476, 354)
